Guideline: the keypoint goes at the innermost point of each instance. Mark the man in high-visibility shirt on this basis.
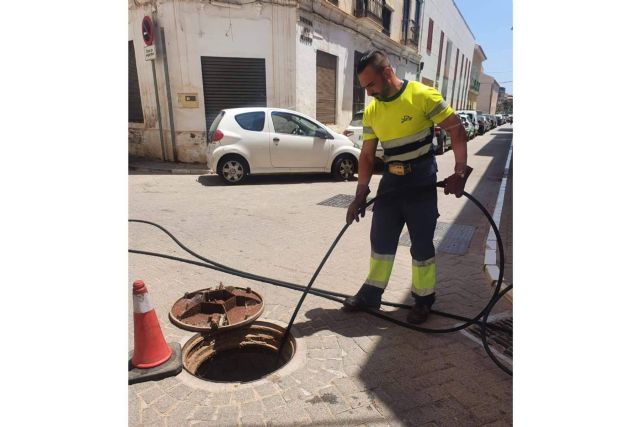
(402, 117)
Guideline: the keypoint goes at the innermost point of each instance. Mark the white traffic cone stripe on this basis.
(142, 303)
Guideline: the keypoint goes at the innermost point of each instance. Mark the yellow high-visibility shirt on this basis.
(403, 122)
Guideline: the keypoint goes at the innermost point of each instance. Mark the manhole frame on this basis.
(299, 361)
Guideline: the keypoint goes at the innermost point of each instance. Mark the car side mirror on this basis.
(322, 134)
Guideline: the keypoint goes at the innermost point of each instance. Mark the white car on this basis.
(261, 140)
(354, 133)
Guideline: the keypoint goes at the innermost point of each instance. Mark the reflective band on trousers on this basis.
(423, 276)
(379, 270)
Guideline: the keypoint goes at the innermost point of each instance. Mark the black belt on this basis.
(404, 168)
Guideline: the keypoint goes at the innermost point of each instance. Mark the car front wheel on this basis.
(233, 169)
(344, 167)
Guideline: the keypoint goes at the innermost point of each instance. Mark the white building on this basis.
(296, 54)
(447, 48)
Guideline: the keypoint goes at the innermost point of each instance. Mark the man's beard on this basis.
(385, 91)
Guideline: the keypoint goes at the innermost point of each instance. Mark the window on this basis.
(386, 20)
(291, 124)
(135, 103)
(430, 36)
(251, 121)
(439, 58)
(358, 92)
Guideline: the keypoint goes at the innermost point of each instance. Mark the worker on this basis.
(402, 116)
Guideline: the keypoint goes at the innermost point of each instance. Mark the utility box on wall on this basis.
(188, 100)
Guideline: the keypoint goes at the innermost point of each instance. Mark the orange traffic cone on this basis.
(149, 346)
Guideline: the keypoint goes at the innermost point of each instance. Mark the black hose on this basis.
(484, 314)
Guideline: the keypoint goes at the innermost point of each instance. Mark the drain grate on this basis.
(500, 340)
(450, 238)
(341, 201)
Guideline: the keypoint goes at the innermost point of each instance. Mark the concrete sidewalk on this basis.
(350, 368)
(144, 165)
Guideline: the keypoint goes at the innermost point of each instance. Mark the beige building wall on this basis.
(488, 96)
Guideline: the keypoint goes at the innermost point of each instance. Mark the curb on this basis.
(491, 267)
(169, 171)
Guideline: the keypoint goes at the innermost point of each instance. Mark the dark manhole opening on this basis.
(240, 355)
(240, 365)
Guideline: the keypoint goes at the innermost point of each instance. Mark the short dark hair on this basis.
(375, 58)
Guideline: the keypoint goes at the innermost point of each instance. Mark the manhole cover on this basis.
(500, 338)
(341, 201)
(239, 355)
(449, 238)
(225, 307)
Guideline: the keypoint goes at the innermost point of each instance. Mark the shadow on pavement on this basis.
(215, 180)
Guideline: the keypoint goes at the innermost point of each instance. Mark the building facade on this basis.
(488, 96)
(296, 54)
(447, 50)
(474, 82)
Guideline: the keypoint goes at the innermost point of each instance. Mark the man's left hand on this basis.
(454, 184)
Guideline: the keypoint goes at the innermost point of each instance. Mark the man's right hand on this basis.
(359, 202)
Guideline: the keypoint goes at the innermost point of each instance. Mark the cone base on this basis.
(170, 368)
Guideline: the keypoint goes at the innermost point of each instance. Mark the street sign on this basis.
(147, 30)
(149, 53)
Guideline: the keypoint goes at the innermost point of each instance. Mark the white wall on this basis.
(446, 18)
(193, 30)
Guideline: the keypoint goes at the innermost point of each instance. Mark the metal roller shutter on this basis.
(135, 103)
(326, 66)
(232, 83)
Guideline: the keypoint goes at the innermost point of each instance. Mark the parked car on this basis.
(473, 116)
(499, 119)
(260, 140)
(441, 140)
(468, 126)
(354, 133)
(483, 125)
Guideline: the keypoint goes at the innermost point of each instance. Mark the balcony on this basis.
(371, 9)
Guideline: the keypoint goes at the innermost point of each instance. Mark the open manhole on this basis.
(212, 309)
(239, 355)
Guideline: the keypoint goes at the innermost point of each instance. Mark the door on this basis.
(293, 144)
(232, 83)
(326, 87)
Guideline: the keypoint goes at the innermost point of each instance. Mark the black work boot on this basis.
(421, 308)
(367, 297)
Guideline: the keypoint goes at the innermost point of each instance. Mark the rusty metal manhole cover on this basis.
(213, 309)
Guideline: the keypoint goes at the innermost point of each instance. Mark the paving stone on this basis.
(244, 395)
(333, 364)
(206, 424)
(319, 413)
(330, 342)
(252, 421)
(165, 403)
(229, 413)
(135, 411)
(266, 389)
(332, 353)
(313, 343)
(272, 402)
(150, 395)
(251, 408)
(175, 421)
(296, 393)
(182, 410)
(333, 399)
(204, 413)
(219, 399)
(180, 391)
(150, 415)
(198, 397)
(359, 416)
(167, 383)
(315, 353)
